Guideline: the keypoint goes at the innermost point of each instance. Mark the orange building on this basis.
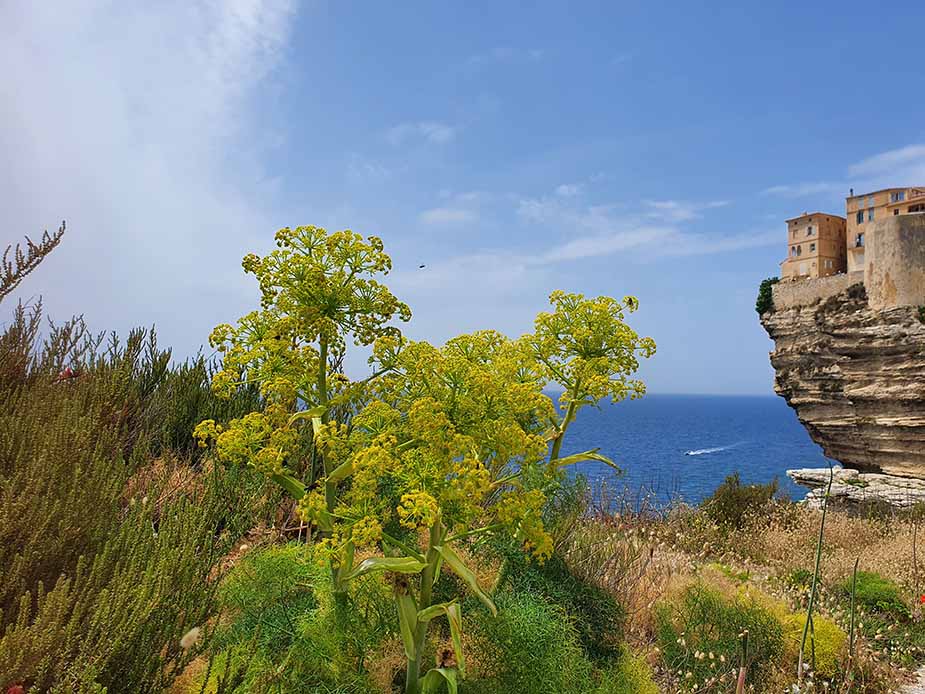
(816, 246)
(870, 207)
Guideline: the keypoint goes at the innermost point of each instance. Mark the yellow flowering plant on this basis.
(443, 445)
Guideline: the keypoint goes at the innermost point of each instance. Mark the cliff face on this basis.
(856, 378)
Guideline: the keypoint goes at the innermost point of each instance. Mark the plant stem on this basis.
(743, 660)
(413, 670)
(812, 590)
(854, 583)
(566, 420)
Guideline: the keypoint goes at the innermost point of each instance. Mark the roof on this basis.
(882, 190)
(813, 214)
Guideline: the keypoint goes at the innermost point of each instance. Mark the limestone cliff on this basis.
(856, 378)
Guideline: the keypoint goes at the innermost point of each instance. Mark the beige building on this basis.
(863, 210)
(816, 246)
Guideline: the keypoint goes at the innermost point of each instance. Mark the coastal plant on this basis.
(813, 589)
(440, 447)
(765, 301)
(14, 268)
(732, 503)
(630, 674)
(876, 593)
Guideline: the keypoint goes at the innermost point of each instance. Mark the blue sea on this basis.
(685, 445)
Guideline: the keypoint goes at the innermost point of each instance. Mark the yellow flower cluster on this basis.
(417, 510)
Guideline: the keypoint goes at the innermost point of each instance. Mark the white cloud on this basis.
(567, 190)
(895, 162)
(448, 215)
(680, 211)
(432, 132)
(139, 125)
(799, 190)
(363, 170)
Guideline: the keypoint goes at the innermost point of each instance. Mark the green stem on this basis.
(566, 420)
(413, 671)
(812, 590)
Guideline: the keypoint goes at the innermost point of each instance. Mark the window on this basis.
(812, 247)
(917, 208)
(870, 214)
(859, 241)
(870, 200)
(895, 212)
(860, 217)
(793, 251)
(898, 196)
(799, 250)
(809, 231)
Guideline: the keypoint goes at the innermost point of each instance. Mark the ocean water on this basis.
(685, 445)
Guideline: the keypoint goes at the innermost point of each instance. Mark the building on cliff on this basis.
(816, 246)
(862, 210)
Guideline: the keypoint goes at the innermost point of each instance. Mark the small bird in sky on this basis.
(421, 266)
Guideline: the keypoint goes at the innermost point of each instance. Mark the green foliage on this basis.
(733, 503)
(830, 641)
(445, 442)
(598, 618)
(106, 553)
(765, 301)
(285, 633)
(15, 267)
(531, 646)
(700, 634)
(876, 593)
(629, 675)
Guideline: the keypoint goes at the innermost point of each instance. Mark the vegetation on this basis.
(765, 301)
(15, 267)
(733, 503)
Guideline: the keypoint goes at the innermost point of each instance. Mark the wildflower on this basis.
(190, 638)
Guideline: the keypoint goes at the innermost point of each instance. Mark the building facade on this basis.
(816, 246)
(863, 210)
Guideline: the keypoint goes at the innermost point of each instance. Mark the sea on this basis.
(681, 447)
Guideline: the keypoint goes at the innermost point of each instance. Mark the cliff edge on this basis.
(856, 377)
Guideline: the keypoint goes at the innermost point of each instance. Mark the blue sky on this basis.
(638, 148)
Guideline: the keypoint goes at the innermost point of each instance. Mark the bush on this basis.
(765, 301)
(629, 675)
(830, 641)
(733, 503)
(598, 618)
(285, 632)
(877, 594)
(107, 553)
(531, 646)
(700, 634)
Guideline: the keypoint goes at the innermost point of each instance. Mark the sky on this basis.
(644, 148)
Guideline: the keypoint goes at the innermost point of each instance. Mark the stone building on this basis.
(815, 246)
(864, 210)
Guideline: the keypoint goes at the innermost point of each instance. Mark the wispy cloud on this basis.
(505, 54)
(432, 132)
(139, 124)
(680, 211)
(799, 190)
(363, 170)
(890, 162)
(447, 215)
(567, 190)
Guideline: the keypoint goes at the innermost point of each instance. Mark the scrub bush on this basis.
(629, 675)
(765, 301)
(733, 503)
(830, 642)
(875, 593)
(700, 634)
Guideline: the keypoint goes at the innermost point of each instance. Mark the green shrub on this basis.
(733, 503)
(598, 618)
(629, 675)
(700, 634)
(877, 594)
(830, 641)
(284, 632)
(531, 646)
(765, 301)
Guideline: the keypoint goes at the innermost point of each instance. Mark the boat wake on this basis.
(707, 451)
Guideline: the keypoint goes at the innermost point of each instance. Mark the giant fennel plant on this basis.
(438, 447)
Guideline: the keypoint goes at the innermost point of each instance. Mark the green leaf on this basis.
(402, 565)
(407, 622)
(341, 472)
(308, 414)
(465, 573)
(454, 617)
(295, 488)
(437, 676)
(579, 457)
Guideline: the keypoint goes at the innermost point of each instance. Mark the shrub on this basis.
(597, 616)
(733, 503)
(765, 301)
(284, 631)
(700, 634)
(830, 641)
(531, 646)
(629, 675)
(877, 594)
